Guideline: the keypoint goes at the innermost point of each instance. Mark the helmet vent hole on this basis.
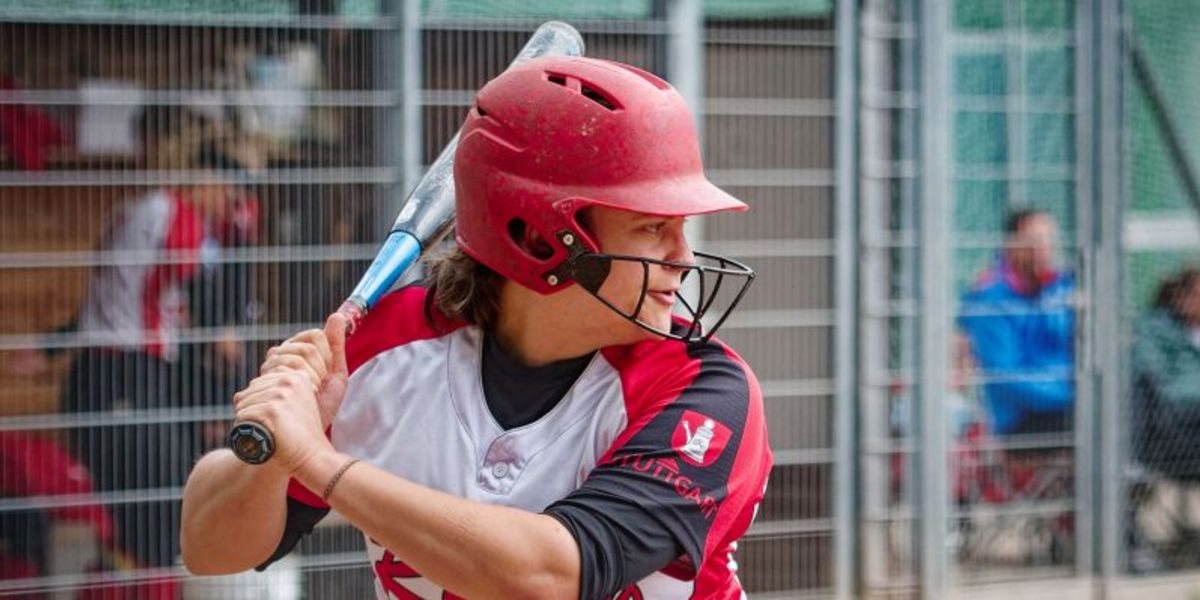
(597, 97)
(516, 230)
(529, 240)
(559, 79)
(479, 111)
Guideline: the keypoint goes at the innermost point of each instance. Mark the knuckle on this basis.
(293, 379)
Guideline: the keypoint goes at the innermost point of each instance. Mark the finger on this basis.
(310, 353)
(258, 413)
(317, 338)
(321, 340)
(282, 362)
(335, 332)
(249, 394)
(266, 387)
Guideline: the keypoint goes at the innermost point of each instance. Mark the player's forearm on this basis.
(473, 549)
(233, 514)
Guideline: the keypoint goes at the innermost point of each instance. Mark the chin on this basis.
(662, 323)
(628, 332)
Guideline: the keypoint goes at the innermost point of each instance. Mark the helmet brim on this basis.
(667, 198)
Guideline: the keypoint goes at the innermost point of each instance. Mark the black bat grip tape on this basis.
(251, 442)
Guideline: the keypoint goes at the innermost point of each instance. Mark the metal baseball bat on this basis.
(427, 215)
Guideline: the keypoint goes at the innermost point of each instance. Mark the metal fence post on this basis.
(410, 63)
(685, 70)
(845, 496)
(1108, 332)
(935, 305)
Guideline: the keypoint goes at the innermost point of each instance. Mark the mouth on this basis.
(665, 297)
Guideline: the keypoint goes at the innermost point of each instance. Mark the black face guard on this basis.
(709, 275)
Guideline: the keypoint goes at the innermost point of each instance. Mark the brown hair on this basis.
(1173, 290)
(462, 288)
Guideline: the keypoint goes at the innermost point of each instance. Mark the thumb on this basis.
(335, 332)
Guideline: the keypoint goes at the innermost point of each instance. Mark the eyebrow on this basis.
(651, 219)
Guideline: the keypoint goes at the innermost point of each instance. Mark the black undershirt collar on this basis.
(518, 394)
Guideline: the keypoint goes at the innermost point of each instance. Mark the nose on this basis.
(678, 248)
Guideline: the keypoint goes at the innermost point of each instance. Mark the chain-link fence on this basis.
(970, 295)
(186, 183)
(1162, 238)
(941, 318)
(1016, 269)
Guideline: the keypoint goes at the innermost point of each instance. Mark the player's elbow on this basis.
(201, 559)
(546, 575)
(542, 586)
(199, 562)
(202, 555)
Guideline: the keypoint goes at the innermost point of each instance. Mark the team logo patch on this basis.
(699, 439)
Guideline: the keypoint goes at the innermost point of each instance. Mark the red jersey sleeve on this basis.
(695, 452)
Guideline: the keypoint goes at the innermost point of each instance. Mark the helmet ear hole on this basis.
(529, 240)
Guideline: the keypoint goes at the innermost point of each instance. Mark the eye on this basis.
(655, 228)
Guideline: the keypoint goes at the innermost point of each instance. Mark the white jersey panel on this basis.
(409, 412)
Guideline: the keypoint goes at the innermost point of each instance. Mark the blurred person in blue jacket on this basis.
(1020, 320)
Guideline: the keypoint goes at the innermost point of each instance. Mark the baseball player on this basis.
(533, 421)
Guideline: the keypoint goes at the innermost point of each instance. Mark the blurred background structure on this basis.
(975, 223)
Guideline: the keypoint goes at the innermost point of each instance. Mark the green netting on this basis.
(1030, 15)
(1047, 15)
(550, 9)
(1167, 32)
(978, 14)
(622, 9)
(1049, 72)
(980, 138)
(1014, 136)
(980, 73)
(1049, 139)
(979, 205)
(559, 9)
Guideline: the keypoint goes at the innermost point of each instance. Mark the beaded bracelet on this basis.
(336, 476)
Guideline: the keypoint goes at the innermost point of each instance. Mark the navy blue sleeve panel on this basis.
(301, 519)
(676, 459)
(619, 541)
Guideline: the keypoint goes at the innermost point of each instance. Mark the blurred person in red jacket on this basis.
(161, 273)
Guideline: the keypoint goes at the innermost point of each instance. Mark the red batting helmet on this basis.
(554, 135)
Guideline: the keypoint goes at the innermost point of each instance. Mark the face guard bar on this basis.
(590, 270)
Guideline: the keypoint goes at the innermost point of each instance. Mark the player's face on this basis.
(648, 236)
(1031, 249)
(213, 198)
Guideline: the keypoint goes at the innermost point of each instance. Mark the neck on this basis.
(537, 329)
(1026, 276)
